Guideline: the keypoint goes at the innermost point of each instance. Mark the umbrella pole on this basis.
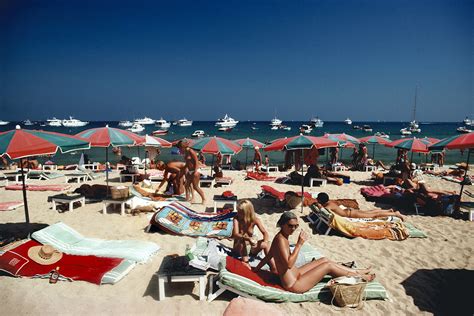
(465, 176)
(212, 164)
(107, 171)
(246, 157)
(411, 157)
(146, 152)
(373, 152)
(25, 202)
(302, 180)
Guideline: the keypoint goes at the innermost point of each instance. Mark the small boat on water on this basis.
(125, 124)
(227, 121)
(464, 129)
(382, 134)
(28, 123)
(72, 122)
(468, 122)
(183, 122)
(316, 122)
(253, 128)
(367, 128)
(405, 131)
(160, 132)
(54, 122)
(275, 128)
(306, 129)
(225, 129)
(136, 128)
(4, 123)
(275, 122)
(162, 124)
(198, 133)
(145, 121)
(285, 128)
(348, 121)
(356, 127)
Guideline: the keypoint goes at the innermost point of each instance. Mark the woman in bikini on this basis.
(245, 243)
(192, 174)
(302, 279)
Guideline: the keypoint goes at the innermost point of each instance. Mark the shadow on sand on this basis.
(10, 232)
(442, 291)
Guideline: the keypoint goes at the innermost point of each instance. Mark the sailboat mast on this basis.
(414, 108)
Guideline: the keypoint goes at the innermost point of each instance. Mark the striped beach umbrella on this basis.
(214, 145)
(108, 136)
(412, 144)
(374, 140)
(20, 143)
(153, 141)
(344, 140)
(248, 143)
(464, 141)
(300, 142)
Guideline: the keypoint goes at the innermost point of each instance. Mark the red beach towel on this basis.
(278, 194)
(78, 268)
(259, 176)
(264, 278)
(10, 206)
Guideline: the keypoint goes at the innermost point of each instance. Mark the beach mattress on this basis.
(180, 220)
(266, 287)
(34, 187)
(67, 240)
(278, 194)
(259, 176)
(9, 206)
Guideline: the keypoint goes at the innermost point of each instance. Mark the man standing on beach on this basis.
(257, 158)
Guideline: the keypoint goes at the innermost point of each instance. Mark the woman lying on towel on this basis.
(245, 242)
(323, 200)
(302, 279)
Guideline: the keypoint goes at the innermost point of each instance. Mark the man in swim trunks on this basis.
(171, 174)
(192, 174)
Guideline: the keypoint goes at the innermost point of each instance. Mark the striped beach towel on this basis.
(67, 240)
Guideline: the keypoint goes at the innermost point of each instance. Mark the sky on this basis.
(115, 60)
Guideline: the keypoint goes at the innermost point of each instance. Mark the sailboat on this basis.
(414, 126)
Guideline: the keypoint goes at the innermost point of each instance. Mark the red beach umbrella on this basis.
(214, 145)
(20, 143)
(248, 143)
(412, 144)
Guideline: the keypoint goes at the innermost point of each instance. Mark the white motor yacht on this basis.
(125, 124)
(144, 121)
(162, 124)
(54, 122)
(464, 129)
(306, 129)
(28, 123)
(72, 122)
(183, 122)
(285, 128)
(275, 128)
(160, 132)
(136, 128)
(382, 134)
(468, 122)
(367, 128)
(405, 131)
(316, 122)
(198, 133)
(275, 122)
(4, 122)
(227, 121)
(348, 121)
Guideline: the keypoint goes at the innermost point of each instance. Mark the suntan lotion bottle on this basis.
(53, 278)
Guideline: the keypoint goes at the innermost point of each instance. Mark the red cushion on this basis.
(264, 278)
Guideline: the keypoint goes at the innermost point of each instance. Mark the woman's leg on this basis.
(187, 187)
(309, 279)
(196, 187)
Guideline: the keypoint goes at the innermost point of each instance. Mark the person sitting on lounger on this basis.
(245, 242)
(304, 278)
(171, 175)
(324, 201)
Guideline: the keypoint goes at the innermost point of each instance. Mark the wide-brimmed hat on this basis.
(44, 254)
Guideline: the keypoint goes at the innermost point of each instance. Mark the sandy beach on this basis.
(422, 276)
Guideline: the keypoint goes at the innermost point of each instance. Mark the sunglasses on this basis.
(293, 226)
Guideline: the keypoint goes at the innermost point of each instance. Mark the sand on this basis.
(420, 275)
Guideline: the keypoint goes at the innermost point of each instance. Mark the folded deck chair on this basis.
(98, 270)
(265, 286)
(34, 187)
(68, 240)
(10, 206)
(179, 220)
(44, 175)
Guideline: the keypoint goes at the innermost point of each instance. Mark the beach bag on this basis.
(347, 291)
(119, 193)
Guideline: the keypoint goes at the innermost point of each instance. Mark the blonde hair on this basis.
(246, 207)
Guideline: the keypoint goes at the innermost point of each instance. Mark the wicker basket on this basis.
(348, 295)
(118, 193)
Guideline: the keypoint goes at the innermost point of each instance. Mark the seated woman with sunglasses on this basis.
(302, 279)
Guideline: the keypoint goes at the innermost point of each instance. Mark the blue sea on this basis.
(264, 134)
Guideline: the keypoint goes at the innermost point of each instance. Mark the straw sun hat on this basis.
(44, 254)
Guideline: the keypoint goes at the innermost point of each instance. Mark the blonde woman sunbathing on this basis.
(323, 201)
(304, 278)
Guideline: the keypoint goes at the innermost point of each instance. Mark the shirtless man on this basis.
(323, 200)
(171, 174)
(257, 158)
(192, 175)
(304, 278)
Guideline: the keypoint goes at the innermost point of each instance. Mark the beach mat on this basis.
(35, 187)
(67, 240)
(10, 206)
